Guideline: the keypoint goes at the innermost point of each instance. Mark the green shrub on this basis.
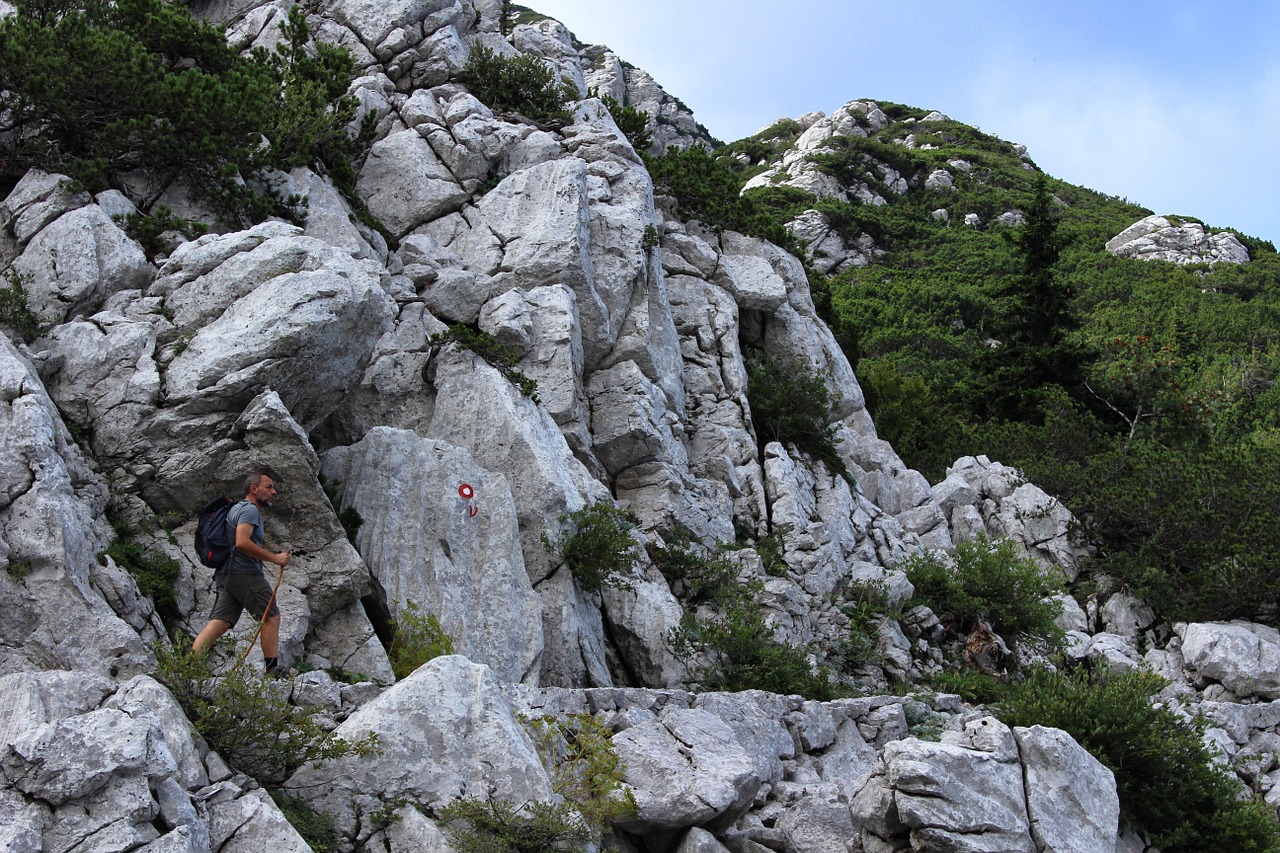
(585, 769)
(990, 582)
(523, 84)
(792, 408)
(633, 123)
(709, 191)
(596, 544)
(419, 637)
(695, 575)
(1169, 785)
(248, 719)
(155, 573)
(15, 310)
(723, 638)
(496, 354)
(739, 653)
(474, 825)
(316, 828)
(98, 90)
(147, 229)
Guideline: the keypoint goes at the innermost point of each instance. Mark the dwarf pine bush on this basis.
(523, 84)
(596, 544)
(98, 90)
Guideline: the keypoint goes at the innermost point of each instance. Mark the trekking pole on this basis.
(261, 622)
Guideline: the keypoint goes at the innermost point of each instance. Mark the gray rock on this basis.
(440, 532)
(1071, 796)
(75, 757)
(404, 183)
(307, 331)
(1126, 615)
(36, 201)
(954, 797)
(75, 262)
(1244, 657)
(1157, 238)
(245, 821)
(143, 698)
(445, 732)
(685, 769)
(52, 524)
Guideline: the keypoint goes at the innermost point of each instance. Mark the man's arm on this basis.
(245, 545)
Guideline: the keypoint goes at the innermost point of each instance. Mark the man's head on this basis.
(260, 488)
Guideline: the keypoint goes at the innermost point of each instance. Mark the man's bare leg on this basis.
(206, 638)
(271, 637)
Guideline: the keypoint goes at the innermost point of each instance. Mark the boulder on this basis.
(444, 732)
(1071, 796)
(963, 796)
(1242, 656)
(75, 262)
(306, 325)
(685, 768)
(36, 201)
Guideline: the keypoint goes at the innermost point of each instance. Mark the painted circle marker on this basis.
(466, 491)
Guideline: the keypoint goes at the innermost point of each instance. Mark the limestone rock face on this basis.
(1158, 238)
(685, 768)
(307, 318)
(440, 532)
(530, 332)
(51, 529)
(1071, 796)
(965, 794)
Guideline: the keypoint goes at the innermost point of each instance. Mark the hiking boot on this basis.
(277, 672)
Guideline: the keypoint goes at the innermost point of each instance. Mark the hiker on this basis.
(241, 585)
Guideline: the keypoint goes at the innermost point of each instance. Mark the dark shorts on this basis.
(241, 591)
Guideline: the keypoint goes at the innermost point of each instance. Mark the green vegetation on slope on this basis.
(1142, 393)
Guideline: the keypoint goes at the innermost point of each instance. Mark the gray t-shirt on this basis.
(245, 513)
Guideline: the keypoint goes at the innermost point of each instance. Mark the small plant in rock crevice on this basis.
(350, 517)
(596, 545)
(496, 354)
(15, 310)
(586, 773)
(419, 637)
(155, 573)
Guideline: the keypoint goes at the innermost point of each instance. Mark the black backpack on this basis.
(214, 544)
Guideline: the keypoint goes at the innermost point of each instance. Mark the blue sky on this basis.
(1174, 105)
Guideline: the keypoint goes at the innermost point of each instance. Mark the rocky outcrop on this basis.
(1182, 242)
